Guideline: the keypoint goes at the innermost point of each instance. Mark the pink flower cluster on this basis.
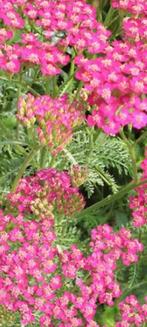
(116, 81)
(116, 84)
(30, 51)
(139, 201)
(36, 277)
(5, 35)
(132, 312)
(47, 32)
(49, 190)
(138, 7)
(135, 28)
(26, 262)
(77, 20)
(55, 118)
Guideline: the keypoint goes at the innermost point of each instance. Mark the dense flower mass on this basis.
(116, 81)
(45, 281)
(34, 271)
(132, 312)
(47, 32)
(29, 51)
(49, 190)
(116, 84)
(138, 203)
(54, 119)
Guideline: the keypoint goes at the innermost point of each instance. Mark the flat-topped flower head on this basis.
(116, 86)
(47, 30)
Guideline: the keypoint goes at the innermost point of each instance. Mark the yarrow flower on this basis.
(48, 190)
(30, 262)
(138, 202)
(55, 118)
(135, 29)
(132, 312)
(116, 87)
(138, 7)
(35, 270)
(40, 279)
(68, 26)
(134, 25)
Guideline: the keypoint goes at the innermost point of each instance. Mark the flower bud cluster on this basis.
(54, 119)
(79, 175)
(47, 191)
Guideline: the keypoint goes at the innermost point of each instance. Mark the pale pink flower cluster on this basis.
(48, 190)
(48, 29)
(132, 312)
(116, 84)
(54, 119)
(139, 201)
(37, 277)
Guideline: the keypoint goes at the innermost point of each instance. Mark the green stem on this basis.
(22, 169)
(127, 290)
(109, 16)
(43, 153)
(70, 157)
(141, 137)
(77, 93)
(110, 199)
(72, 68)
(67, 85)
(132, 155)
(52, 161)
(103, 176)
(55, 86)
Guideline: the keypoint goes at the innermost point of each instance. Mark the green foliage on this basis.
(105, 157)
(67, 233)
(108, 316)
